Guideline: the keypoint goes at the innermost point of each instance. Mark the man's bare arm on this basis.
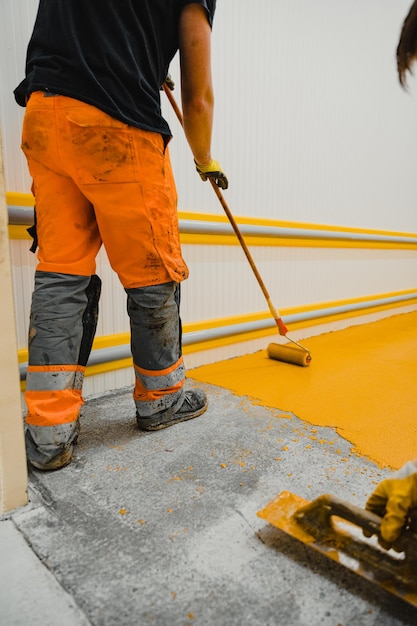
(196, 82)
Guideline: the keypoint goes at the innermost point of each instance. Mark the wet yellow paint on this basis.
(362, 382)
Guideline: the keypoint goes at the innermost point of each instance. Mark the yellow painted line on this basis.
(361, 382)
(16, 198)
(272, 332)
(22, 355)
(18, 232)
(227, 341)
(95, 370)
(103, 368)
(110, 341)
(105, 341)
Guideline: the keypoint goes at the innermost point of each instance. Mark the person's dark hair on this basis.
(407, 46)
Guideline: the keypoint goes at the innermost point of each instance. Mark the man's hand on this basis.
(169, 82)
(212, 170)
(395, 500)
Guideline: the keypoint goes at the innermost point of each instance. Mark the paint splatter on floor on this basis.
(362, 382)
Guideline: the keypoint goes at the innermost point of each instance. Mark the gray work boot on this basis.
(51, 447)
(193, 403)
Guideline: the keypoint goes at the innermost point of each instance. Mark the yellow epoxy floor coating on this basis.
(362, 381)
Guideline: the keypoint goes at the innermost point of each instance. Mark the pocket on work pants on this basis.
(102, 148)
(126, 173)
(66, 226)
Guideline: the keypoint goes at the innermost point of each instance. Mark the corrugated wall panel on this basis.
(16, 23)
(23, 264)
(221, 282)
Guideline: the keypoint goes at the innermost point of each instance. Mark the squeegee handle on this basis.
(278, 320)
(317, 516)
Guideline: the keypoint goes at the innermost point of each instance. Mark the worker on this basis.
(407, 45)
(395, 499)
(97, 151)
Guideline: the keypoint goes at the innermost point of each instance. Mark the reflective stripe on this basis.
(54, 436)
(51, 408)
(142, 394)
(160, 380)
(158, 390)
(54, 378)
(158, 404)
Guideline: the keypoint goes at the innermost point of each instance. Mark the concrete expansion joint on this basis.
(247, 522)
(39, 493)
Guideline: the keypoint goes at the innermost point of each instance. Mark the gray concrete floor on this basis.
(162, 528)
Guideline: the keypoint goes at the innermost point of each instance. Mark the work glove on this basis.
(395, 500)
(213, 170)
(169, 82)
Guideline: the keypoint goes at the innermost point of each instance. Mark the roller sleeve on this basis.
(289, 354)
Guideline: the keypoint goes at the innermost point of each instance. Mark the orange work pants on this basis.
(97, 180)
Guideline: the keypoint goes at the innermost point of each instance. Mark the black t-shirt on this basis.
(113, 54)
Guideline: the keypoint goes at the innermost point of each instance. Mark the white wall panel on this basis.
(16, 23)
(23, 264)
(221, 282)
(119, 379)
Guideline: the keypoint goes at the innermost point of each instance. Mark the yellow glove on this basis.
(395, 500)
(169, 82)
(213, 170)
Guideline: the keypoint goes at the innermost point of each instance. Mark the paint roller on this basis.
(294, 352)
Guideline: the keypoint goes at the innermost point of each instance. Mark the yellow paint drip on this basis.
(362, 382)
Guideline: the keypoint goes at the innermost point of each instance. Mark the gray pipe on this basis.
(216, 228)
